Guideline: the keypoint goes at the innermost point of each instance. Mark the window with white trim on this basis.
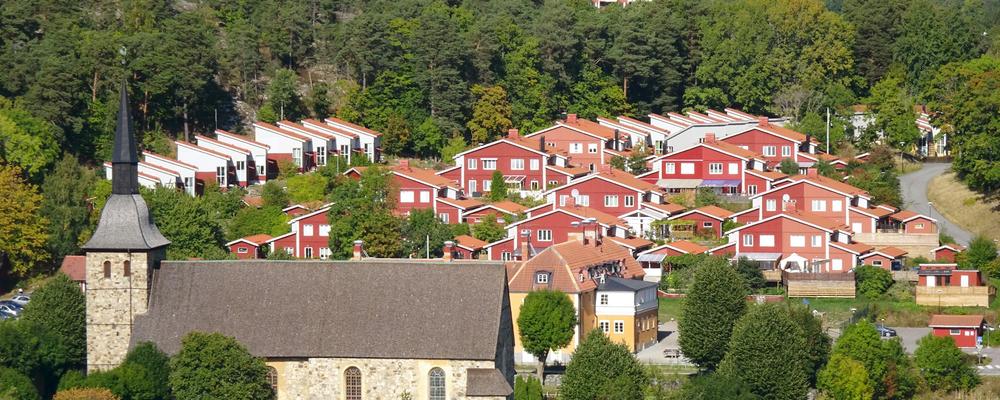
(563, 198)
(583, 200)
(734, 168)
(619, 326)
(534, 164)
(919, 226)
(576, 148)
(817, 240)
(260, 170)
(405, 196)
(771, 205)
(308, 252)
(604, 299)
(955, 332)
(766, 241)
(715, 168)
(605, 326)
(505, 256)
(487, 185)
(544, 235)
(297, 156)
(751, 189)
(443, 217)
(611, 201)
(289, 250)
(517, 164)
(819, 205)
(220, 175)
(535, 186)
(877, 263)
(669, 168)
(541, 277)
(592, 148)
(706, 224)
(425, 196)
(241, 250)
(320, 155)
(687, 168)
(797, 241)
(471, 164)
(472, 186)
(307, 230)
(770, 151)
(489, 164)
(747, 239)
(324, 253)
(836, 205)
(629, 201)
(786, 151)
(241, 165)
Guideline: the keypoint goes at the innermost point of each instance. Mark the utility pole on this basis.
(427, 246)
(828, 130)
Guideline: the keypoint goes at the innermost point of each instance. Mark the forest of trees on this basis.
(437, 76)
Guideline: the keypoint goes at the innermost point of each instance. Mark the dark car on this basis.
(884, 331)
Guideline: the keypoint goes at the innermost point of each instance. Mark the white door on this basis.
(472, 187)
(856, 227)
(965, 281)
(931, 281)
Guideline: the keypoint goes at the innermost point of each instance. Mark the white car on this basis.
(21, 299)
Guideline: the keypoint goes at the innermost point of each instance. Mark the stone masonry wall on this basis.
(323, 378)
(113, 303)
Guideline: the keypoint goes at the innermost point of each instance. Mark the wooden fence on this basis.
(955, 296)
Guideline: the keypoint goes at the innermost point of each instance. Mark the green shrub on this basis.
(872, 281)
(85, 394)
(16, 386)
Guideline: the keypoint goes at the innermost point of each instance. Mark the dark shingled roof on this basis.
(486, 382)
(378, 308)
(616, 284)
(125, 225)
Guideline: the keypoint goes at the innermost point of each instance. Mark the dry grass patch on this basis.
(964, 207)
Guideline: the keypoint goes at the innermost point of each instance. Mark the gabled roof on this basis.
(769, 175)
(856, 247)
(242, 139)
(514, 142)
(872, 212)
(505, 206)
(567, 261)
(304, 216)
(280, 131)
(314, 124)
(169, 160)
(616, 284)
(888, 252)
(668, 208)
(203, 150)
(614, 176)
(568, 171)
(640, 125)
(75, 267)
(832, 184)
(463, 204)
(956, 321)
(633, 243)
(681, 246)
(907, 215)
(469, 243)
(222, 144)
(297, 128)
(951, 246)
(254, 240)
(336, 121)
(709, 211)
(817, 223)
(423, 175)
(733, 149)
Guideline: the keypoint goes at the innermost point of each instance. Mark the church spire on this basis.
(124, 160)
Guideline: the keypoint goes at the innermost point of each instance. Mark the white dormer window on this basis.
(542, 277)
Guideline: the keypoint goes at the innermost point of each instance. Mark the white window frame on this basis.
(471, 164)
(770, 151)
(629, 201)
(489, 164)
(715, 168)
(619, 326)
(747, 239)
(611, 200)
(604, 299)
(505, 256)
(541, 277)
(220, 175)
(786, 151)
(876, 263)
(242, 250)
(771, 205)
(544, 235)
(443, 217)
(605, 327)
(751, 189)
(734, 168)
(817, 241)
(487, 185)
(669, 168)
(307, 229)
(576, 148)
(583, 200)
(241, 165)
(307, 252)
(472, 186)
(297, 156)
(707, 224)
(517, 164)
(406, 196)
(836, 205)
(425, 196)
(324, 230)
(534, 164)
(818, 206)
(766, 241)
(260, 170)
(324, 253)
(687, 168)
(798, 241)
(592, 148)
(320, 155)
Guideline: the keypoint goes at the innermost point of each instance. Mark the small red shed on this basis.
(250, 247)
(947, 252)
(933, 275)
(966, 330)
(467, 247)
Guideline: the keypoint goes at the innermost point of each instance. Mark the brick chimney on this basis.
(525, 245)
(811, 171)
(359, 250)
(570, 118)
(605, 168)
(404, 164)
(449, 250)
(709, 138)
(541, 144)
(762, 121)
(512, 134)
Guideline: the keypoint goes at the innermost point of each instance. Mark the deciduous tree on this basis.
(715, 301)
(888, 366)
(767, 352)
(498, 187)
(211, 365)
(602, 369)
(545, 323)
(943, 365)
(65, 206)
(15, 386)
(424, 233)
(22, 227)
(844, 378)
(490, 114)
(59, 307)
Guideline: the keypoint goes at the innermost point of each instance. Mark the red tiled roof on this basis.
(470, 242)
(75, 267)
(464, 204)
(258, 239)
(587, 212)
(509, 206)
(733, 149)
(628, 179)
(956, 321)
(566, 261)
(812, 219)
(877, 212)
(631, 243)
(669, 208)
(830, 183)
(571, 171)
(856, 247)
(253, 201)
(784, 132)
(687, 247)
(591, 127)
(893, 252)
(423, 175)
(354, 126)
(769, 175)
(715, 211)
(904, 215)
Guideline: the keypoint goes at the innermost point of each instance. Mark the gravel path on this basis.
(914, 191)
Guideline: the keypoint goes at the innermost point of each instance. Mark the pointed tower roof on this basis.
(125, 223)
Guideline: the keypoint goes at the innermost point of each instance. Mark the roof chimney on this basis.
(404, 164)
(605, 168)
(449, 250)
(541, 144)
(762, 121)
(359, 250)
(525, 245)
(709, 138)
(512, 134)
(618, 147)
(570, 118)
(812, 171)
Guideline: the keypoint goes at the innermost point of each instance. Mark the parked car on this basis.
(884, 331)
(21, 299)
(10, 309)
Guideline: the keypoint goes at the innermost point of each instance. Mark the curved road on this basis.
(914, 191)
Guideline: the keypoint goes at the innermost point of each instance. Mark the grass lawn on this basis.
(964, 207)
(670, 309)
(897, 313)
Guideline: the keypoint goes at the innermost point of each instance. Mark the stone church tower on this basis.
(121, 255)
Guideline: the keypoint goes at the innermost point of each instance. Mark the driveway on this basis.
(914, 190)
(667, 339)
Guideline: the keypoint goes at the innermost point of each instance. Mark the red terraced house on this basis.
(796, 242)
(711, 163)
(522, 163)
(582, 140)
(241, 160)
(419, 188)
(706, 219)
(467, 247)
(257, 164)
(498, 210)
(772, 142)
(323, 143)
(295, 210)
(947, 252)
(285, 145)
(907, 221)
(757, 181)
(212, 165)
(309, 238)
(367, 141)
(641, 220)
(187, 172)
(547, 228)
(250, 247)
(818, 196)
(609, 191)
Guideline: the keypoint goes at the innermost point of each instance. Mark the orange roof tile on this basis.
(770, 175)
(464, 204)
(784, 132)
(687, 247)
(669, 208)
(571, 171)
(566, 261)
(75, 267)
(253, 201)
(587, 212)
(877, 212)
(733, 149)
(893, 252)
(956, 321)
(857, 247)
(592, 128)
(470, 242)
(904, 215)
(258, 238)
(715, 211)
(423, 175)
(509, 206)
(631, 243)
(812, 219)
(830, 183)
(628, 179)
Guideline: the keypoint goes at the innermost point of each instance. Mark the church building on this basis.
(346, 330)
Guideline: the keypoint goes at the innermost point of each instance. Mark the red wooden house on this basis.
(888, 258)
(582, 140)
(309, 238)
(966, 330)
(419, 188)
(498, 210)
(546, 228)
(936, 275)
(716, 164)
(772, 142)
(818, 196)
(249, 247)
(522, 162)
(757, 181)
(946, 252)
(467, 247)
(795, 242)
(295, 210)
(652, 260)
(707, 220)
(911, 222)
(609, 191)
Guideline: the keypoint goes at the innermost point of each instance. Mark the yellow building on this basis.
(578, 269)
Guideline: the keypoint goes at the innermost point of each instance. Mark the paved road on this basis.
(914, 188)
